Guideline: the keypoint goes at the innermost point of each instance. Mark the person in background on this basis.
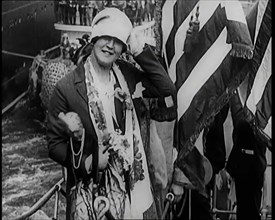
(72, 12)
(91, 5)
(62, 8)
(246, 165)
(139, 8)
(67, 11)
(56, 10)
(128, 10)
(82, 4)
(96, 9)
(152, 8)
(213, 143)
(100, 95)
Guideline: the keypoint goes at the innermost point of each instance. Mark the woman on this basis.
(108, 151)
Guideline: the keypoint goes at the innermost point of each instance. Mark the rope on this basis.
(17, 54)
(13, 77)
(14, 102)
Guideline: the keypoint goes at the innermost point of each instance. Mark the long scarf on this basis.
(126, 150)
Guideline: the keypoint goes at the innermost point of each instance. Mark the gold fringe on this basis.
(242, 51)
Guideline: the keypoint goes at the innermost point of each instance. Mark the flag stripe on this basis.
(262, 76)
(204, 74)
(207, 64)
(259, 86)
(264, 111)
(207, 38)
(181, 10)
(262, 5)
(263, 38)
(208, 17)
(201, 109)
(167, 22)
(267, 129)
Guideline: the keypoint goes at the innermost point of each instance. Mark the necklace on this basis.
(80, 152)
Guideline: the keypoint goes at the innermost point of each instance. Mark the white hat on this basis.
(112, 22)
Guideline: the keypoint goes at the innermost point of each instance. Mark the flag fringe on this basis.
(242, 51)
(221, 102)
(250, 118)
(193, 178)
(157, 26)
(164, 114)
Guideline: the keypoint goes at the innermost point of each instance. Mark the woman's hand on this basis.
(135, 43)
(178, 191)
(103, 157)
(73, 124)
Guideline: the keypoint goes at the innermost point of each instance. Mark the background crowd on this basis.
(67, 11)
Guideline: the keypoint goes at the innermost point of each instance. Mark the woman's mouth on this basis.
(108, 52)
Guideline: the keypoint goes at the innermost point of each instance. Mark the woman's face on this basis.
(106, 50)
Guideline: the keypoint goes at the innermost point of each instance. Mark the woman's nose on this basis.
(111, 42)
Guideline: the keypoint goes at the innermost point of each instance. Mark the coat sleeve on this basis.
(57, 137)
(154, 78)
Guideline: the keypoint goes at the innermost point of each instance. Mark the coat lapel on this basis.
(79, 81)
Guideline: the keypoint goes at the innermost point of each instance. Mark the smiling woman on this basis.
(109, 161)
(106, 50)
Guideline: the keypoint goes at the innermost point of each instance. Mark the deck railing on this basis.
(55, 190)
(145, 30)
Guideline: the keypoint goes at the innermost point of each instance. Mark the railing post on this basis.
(55, 215)
(189, 206)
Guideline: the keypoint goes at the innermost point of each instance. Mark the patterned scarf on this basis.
(126, 150)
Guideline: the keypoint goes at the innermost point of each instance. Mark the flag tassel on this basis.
(241, 50)
(196, 27)
(189, 35)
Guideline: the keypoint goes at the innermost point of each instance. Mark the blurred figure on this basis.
(139, 6)
(96, 9)
(146, 11)
(108, 3)
(82, 4)
(128, 10)
(152, 8)
(56, 10)
(246, 165)
(213, 145)
(62, 11)
(67, 11)
(72, 12)
(91, 6)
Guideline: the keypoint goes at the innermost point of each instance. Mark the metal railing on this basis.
(55, 190)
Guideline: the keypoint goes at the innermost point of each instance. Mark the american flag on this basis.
(255, 93)
(208, 73)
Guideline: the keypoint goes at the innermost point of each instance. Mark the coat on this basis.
(70, 95)
(247, 160)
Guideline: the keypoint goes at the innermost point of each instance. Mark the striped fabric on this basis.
(256, 91)
(206, 75)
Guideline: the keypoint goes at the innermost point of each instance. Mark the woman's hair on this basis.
(82, 53)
